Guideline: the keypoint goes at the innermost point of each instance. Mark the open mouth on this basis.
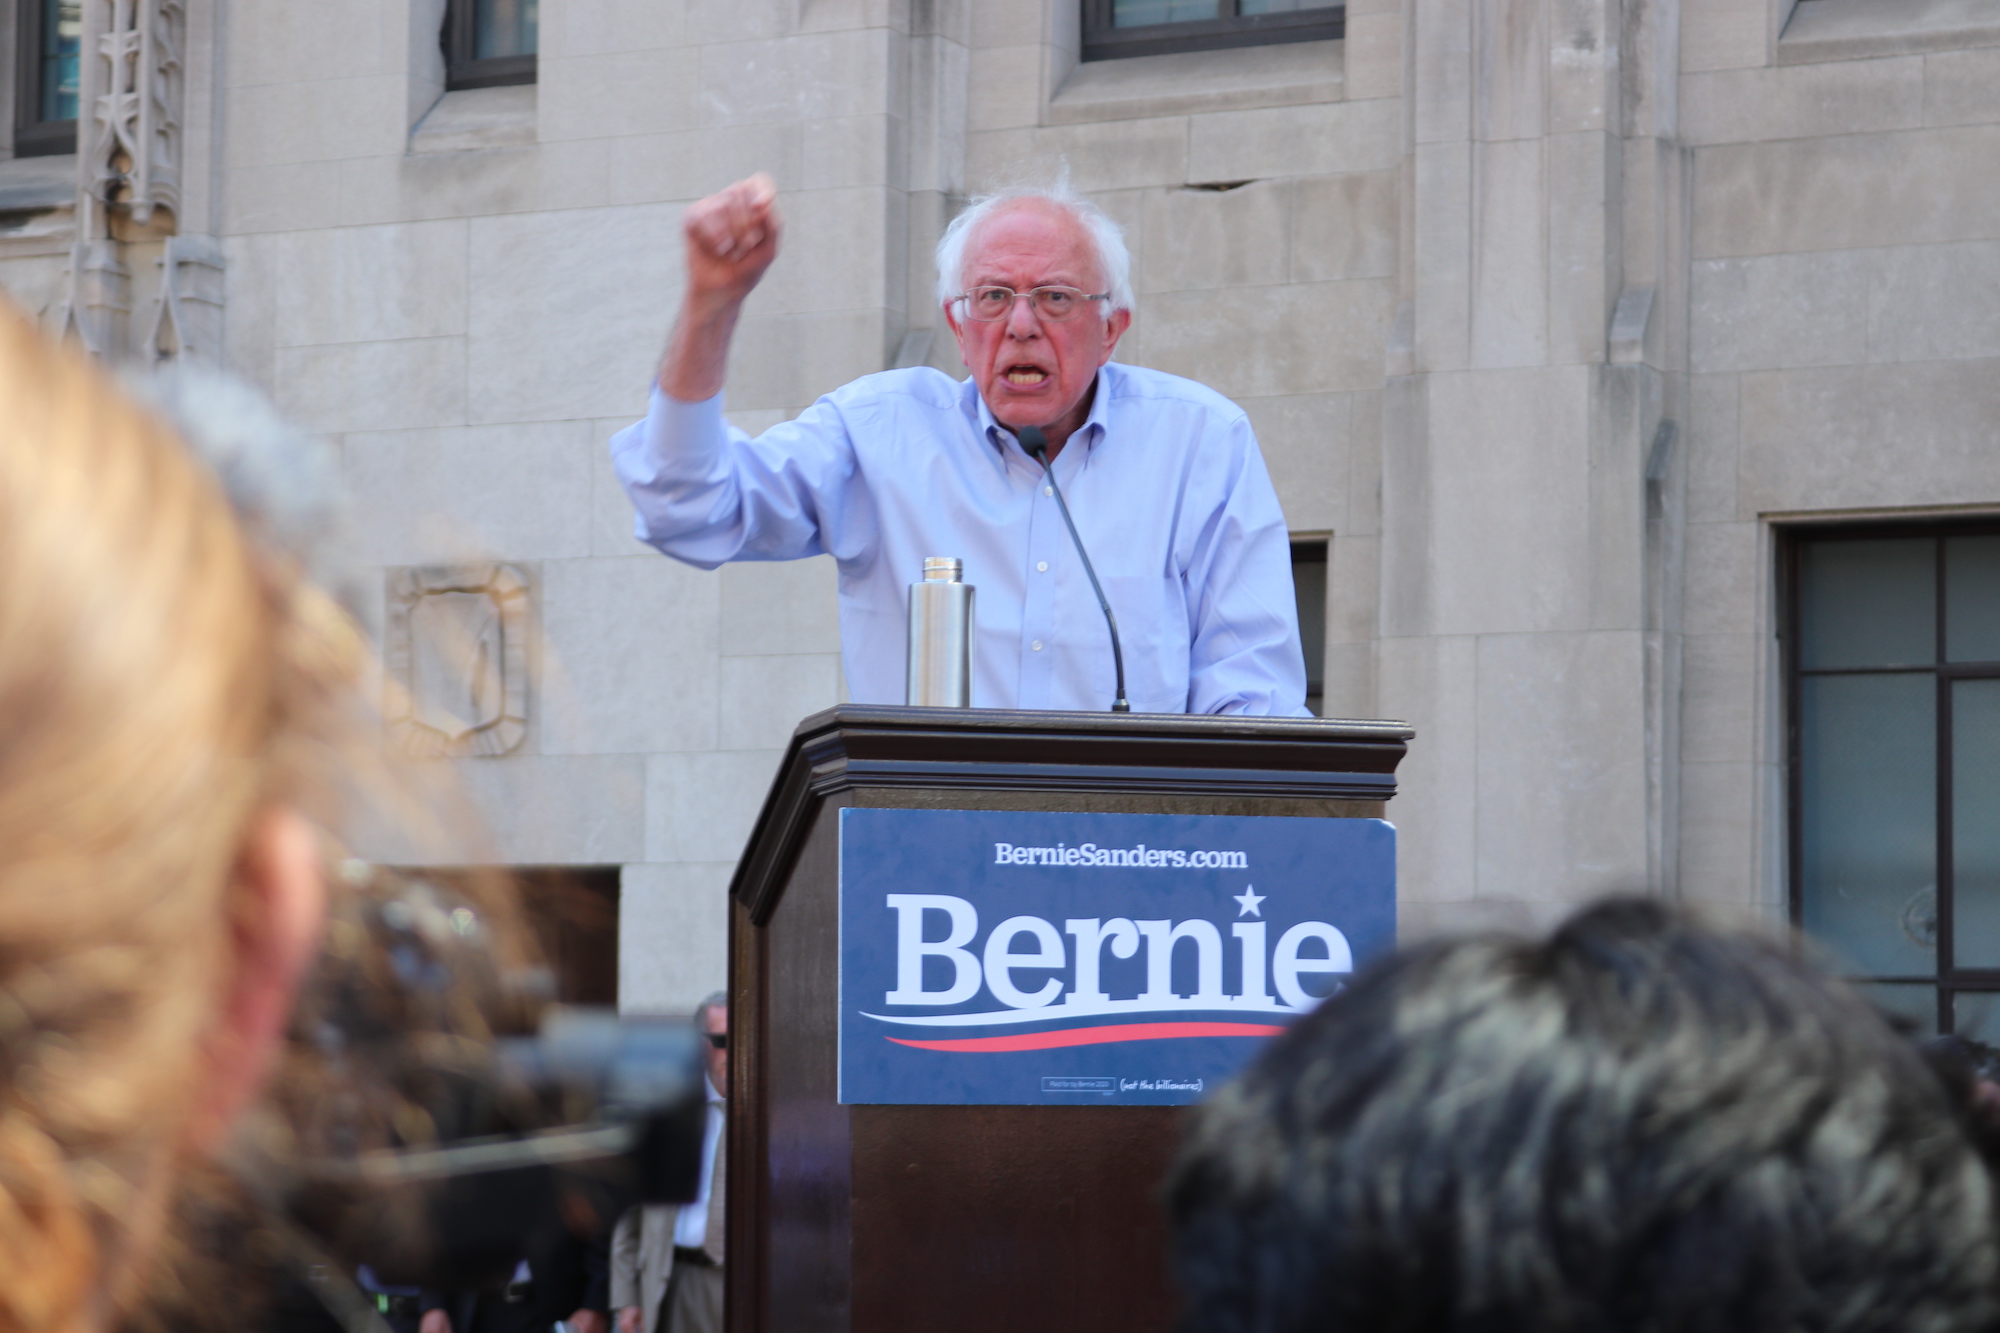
(1026, 376)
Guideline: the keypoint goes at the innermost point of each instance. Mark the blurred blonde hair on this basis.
(161, 683)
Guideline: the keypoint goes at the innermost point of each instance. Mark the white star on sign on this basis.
(1250, 898)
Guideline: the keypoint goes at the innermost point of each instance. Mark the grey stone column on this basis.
(130, 204)
(1529, 587)
(933, 96)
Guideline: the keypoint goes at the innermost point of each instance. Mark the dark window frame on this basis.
(33, 136)
(1313, 548)
(1950, 980)
(462, 69)
(1102, 41)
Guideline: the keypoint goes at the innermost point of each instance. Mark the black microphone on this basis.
(1037, 445)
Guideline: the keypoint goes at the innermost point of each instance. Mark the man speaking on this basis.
(1162, 475)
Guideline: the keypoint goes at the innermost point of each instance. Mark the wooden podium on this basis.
(886, 1219)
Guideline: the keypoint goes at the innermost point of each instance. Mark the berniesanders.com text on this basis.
(1138, 857)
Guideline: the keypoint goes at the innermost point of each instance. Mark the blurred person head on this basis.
(1638, 1123)
(165, 694)
(711, 1019)
(1971, 1073)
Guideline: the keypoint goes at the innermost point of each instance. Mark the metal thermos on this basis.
(940, 636)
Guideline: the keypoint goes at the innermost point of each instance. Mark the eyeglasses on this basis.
(719, 1040)
(993, 303)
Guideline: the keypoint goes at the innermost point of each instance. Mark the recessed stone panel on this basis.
(456, 660)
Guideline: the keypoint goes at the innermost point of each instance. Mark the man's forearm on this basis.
(697, 356)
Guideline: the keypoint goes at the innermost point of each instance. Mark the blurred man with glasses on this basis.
(666, 1259)
(1162, 475)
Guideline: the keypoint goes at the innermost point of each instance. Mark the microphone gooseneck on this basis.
(1037, 446)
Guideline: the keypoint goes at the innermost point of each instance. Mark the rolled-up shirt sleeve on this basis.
(704, 492)
(1242, 611)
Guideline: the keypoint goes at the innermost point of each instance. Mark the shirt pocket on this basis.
(1153, 630)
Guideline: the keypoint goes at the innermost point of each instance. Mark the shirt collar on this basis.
(1089, 433)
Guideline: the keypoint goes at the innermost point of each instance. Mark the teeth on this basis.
(1025, 377)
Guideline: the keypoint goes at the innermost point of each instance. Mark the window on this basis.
(488, 43)
(1113, 28)
(1893, 674)
(51, 35)
(1309, 586)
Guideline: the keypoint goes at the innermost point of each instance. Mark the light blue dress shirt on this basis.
(1165, 482)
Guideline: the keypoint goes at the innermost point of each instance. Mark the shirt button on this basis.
(1042, 566)
(1036, 645)
(1048, 490)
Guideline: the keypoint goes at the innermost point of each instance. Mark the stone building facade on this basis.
(1561, 321)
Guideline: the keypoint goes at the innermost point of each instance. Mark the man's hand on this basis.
(732, 237)
(587, 1320)
(434, 1321)
(631, 1319)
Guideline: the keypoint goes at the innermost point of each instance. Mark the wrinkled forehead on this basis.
(1032, 243)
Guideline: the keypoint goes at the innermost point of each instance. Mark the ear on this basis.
(279, 911)
(1114, 329)
(957, 333)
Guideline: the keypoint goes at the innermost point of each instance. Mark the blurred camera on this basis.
(437, 1113)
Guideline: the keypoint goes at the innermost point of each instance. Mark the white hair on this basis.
(284, 483)
(1107, 238)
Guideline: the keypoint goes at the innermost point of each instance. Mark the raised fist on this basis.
(732, 237)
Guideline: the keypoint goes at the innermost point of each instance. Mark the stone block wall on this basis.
(1546, 314)
(1844, 347)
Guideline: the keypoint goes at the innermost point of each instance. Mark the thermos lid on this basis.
(943, 568)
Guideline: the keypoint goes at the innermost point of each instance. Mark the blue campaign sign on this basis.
(1022, 958)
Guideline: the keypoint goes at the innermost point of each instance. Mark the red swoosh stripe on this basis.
(1043, 1041)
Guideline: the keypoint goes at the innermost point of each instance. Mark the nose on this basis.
(1021, 319)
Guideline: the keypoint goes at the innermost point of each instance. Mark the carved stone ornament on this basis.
(130, 139)
(129, 167)
(187, 318)
(457, 658)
